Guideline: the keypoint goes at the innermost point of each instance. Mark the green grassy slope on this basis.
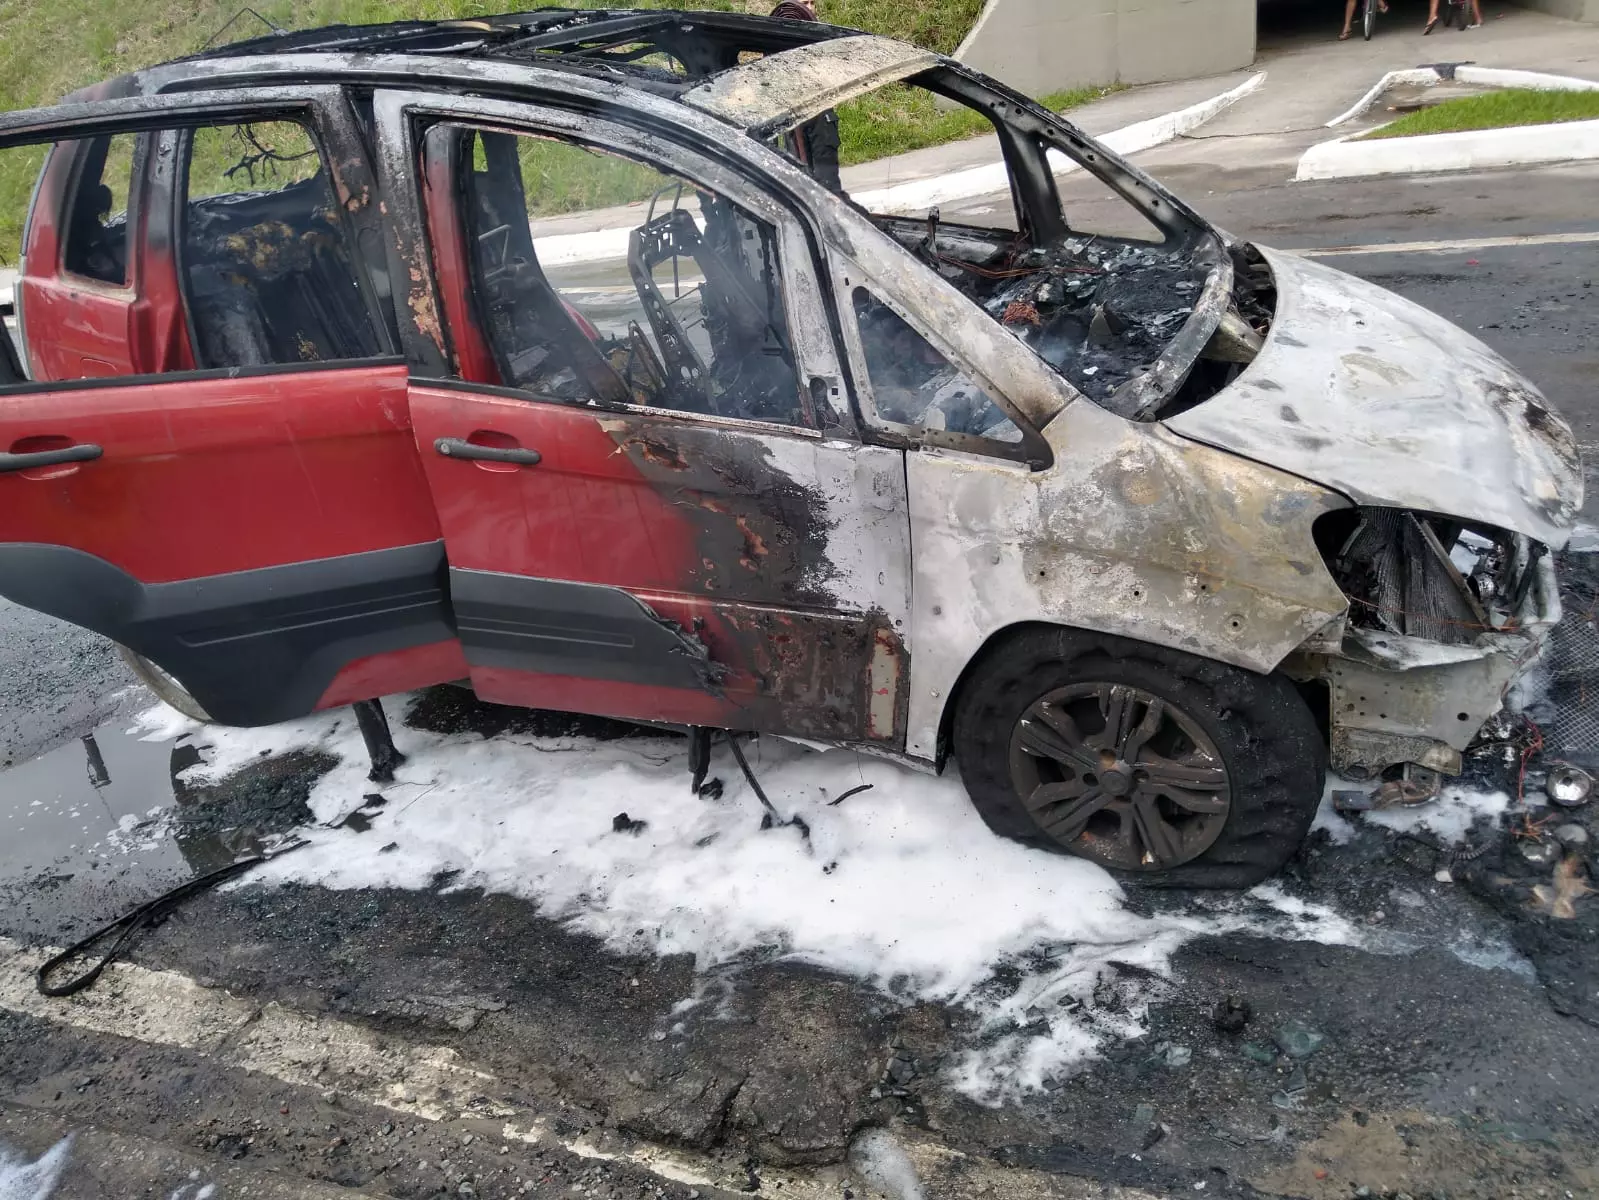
(47, 51)
(1495, 110)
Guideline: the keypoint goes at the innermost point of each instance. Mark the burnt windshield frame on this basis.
(1027, 133)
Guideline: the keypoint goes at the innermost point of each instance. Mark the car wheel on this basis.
(165, 686)
(1168, 769)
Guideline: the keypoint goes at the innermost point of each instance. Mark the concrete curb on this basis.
(922, 194)
(1472, 149)
(1465, 73)
(1517, 145)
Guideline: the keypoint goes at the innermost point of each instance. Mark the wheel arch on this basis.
(1000, 638)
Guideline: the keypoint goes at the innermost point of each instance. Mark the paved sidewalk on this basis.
(1312, 78)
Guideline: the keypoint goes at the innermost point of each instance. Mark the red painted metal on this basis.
(397, 671)
(206, 476)
(76, 328)
(603, 698)
(585, 515)
(86, 329)
(474, 360)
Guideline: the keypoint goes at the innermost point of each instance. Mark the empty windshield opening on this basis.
(1082, 260)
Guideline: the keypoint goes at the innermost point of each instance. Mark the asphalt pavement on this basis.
(268, 1040)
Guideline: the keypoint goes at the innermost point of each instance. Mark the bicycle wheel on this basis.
(1369, 21)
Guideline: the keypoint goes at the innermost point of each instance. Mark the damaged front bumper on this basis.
(1396, 698)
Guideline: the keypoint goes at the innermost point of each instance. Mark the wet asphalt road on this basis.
(1438, 1077)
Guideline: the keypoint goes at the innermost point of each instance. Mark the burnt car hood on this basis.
(1364, 392)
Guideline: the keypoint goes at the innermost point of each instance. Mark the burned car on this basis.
(338, 376)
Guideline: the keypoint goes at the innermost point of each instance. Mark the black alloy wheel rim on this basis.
(1120, 776)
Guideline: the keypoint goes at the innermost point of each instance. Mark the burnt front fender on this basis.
(1134, 532)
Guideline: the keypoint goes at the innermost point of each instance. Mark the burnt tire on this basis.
(1204, 720)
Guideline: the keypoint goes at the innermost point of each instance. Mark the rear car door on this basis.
(258, 524)
(652, 497)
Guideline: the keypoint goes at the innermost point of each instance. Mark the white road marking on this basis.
(1461, 246)
(163, 1008)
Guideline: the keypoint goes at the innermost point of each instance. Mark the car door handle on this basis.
(87, 452)
(460, 448)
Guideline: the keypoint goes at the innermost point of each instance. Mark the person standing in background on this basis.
(1432, 16)
(1349, 16)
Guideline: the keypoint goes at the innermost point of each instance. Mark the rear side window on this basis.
(96, 236)
(269, 266)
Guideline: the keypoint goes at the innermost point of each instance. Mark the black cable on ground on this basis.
(773, 819)
(744, 765)
(854, 791)
(143, 917)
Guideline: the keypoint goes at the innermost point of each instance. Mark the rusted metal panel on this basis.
(801, 546)
(1134, 532)
(781, 90)
(1392, 405)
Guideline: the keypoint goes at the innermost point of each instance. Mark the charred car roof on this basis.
(666, 52)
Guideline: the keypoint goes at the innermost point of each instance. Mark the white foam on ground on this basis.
(24, 1180)
(1449, 818)
(901, 886)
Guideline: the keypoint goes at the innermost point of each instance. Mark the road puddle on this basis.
(80, 827)
(106, 821)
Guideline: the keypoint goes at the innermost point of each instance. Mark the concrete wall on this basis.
(1576, 10)
(1043, 46)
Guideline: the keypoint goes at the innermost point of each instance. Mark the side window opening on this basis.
(691, 319)
(96, 237)
(915, 386)
(269, 269)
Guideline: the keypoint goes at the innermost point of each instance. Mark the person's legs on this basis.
(1349, 18)
(1476, 12)
(1432, 18)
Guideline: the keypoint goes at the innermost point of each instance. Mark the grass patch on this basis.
(48, 50)
(1494, 110)
(897, 119)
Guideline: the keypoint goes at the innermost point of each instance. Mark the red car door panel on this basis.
(258, 536)
(671, 568)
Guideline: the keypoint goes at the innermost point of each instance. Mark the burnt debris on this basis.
(1427, 577)
(1099, 310)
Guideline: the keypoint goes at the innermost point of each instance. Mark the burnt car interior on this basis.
(703, 331)
(96, 244)
(270, 274)
(1099, 306)
(1427, 577)
(1117, 316)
